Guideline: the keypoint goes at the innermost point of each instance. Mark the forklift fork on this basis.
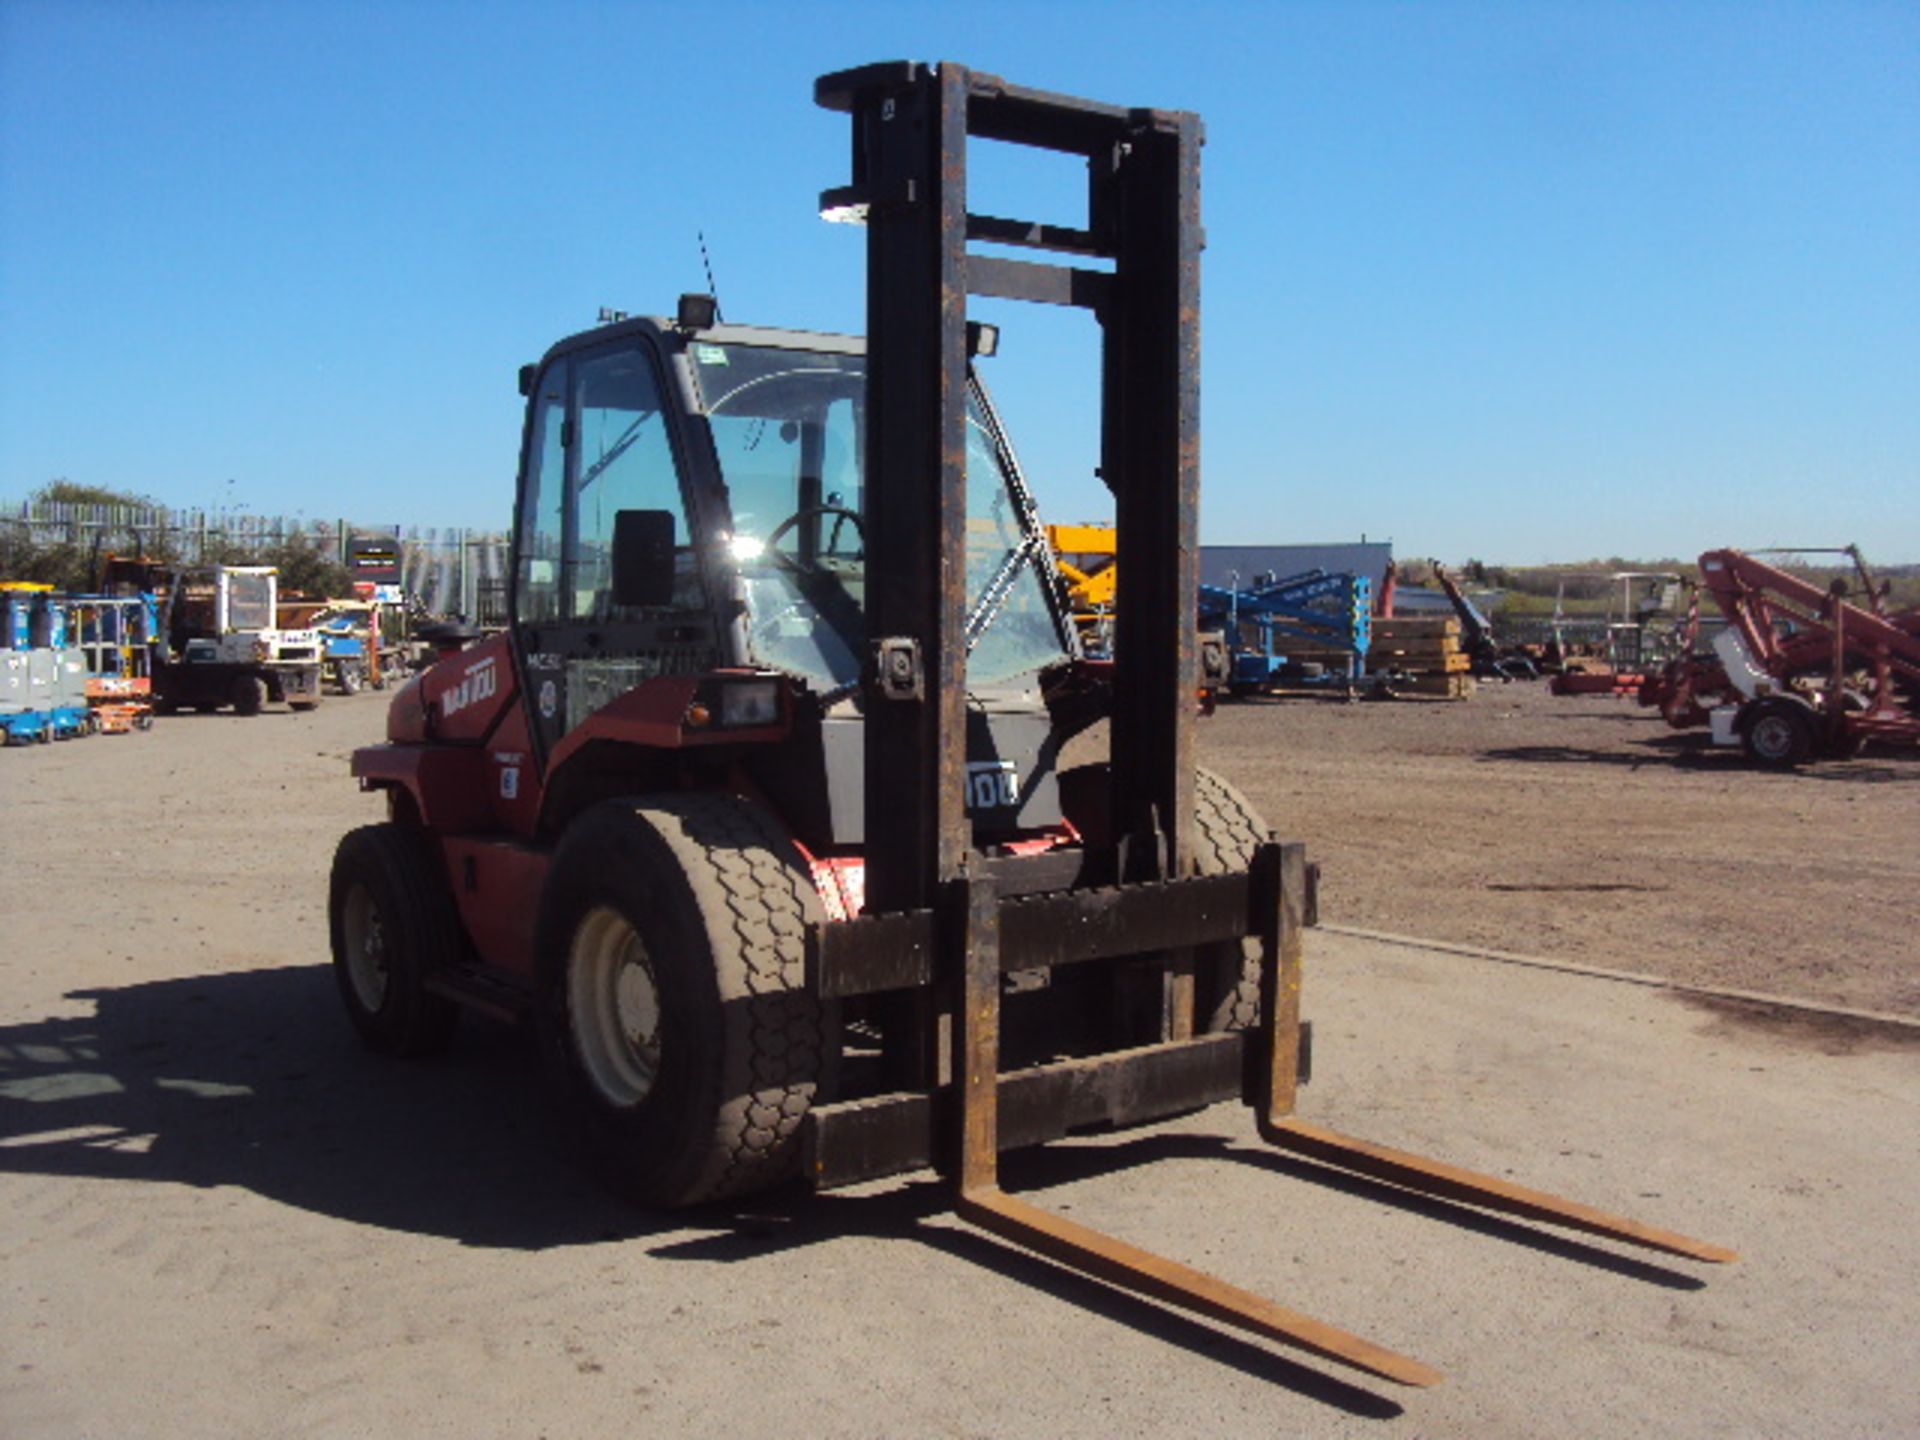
(1278, 902)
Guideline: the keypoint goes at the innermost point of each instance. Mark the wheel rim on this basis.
(1772, 737)
(364, 938)
(613, 1004)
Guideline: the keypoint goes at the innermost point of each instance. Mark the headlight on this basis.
(755, 702)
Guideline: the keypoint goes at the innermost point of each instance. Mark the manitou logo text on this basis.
(476, 684)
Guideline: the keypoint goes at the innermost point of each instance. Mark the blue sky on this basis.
(1511, 281)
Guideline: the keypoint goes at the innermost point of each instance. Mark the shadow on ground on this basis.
(1803, 1029)
(253, 1079)
(1696, 752)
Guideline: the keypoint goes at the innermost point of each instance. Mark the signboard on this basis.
(373, 557)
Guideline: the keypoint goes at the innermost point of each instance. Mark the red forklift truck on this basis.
(756, 811)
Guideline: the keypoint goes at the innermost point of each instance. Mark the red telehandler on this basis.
(754, 812)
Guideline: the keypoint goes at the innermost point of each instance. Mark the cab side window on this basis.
(537, 591)
(623, 461)
(597, 444)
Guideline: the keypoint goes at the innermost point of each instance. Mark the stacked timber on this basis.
(1300, 651)
(1425, 649)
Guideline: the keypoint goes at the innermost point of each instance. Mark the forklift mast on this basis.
(910, 125)
(946, 923)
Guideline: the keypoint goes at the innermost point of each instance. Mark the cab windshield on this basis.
(249, 601)
(789, 430)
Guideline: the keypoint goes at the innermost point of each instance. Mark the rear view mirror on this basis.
(643, 558)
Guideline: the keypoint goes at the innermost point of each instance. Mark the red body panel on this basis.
(496, 884)
(514, 790)
(466, 694)
(460, 746)
(448, 783)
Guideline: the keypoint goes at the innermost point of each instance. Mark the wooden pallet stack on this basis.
(1426, 648)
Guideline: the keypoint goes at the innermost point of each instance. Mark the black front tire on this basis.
(1226, 830)
(392, 923)
(249, 695)
(1778, 731)
(673, 1009)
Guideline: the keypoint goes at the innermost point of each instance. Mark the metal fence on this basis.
(449, 570)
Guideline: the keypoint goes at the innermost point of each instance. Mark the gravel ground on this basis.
(223, 1217)
(1583, 828)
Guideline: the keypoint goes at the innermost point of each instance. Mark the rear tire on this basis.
(1778, 731)
(392, 922)
(672, 1005)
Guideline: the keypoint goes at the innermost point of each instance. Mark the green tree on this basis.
(305, 567)
(71, 492)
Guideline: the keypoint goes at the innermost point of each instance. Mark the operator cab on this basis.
(735, 455)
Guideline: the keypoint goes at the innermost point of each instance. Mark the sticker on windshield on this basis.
(992, 785)
(710, 354)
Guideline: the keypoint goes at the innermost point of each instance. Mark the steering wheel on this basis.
(808, 512)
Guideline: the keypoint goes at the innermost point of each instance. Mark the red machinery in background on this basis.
(1799, 672)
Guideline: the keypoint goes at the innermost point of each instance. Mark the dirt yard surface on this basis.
(225, 1218)
(1583, 828)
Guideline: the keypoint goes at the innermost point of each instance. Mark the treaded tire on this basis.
(394, 870)
(1778, 731)
(718, 900)
(249, 694)
(1226, 828)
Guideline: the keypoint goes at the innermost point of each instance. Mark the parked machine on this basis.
(115, 635)
(357, 649)
(1489, 658)
(1309, 629)
(1085, 556)
(43, 680)
(223, 645)
(1643, 627)
(754, 813)
(1800, 672)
